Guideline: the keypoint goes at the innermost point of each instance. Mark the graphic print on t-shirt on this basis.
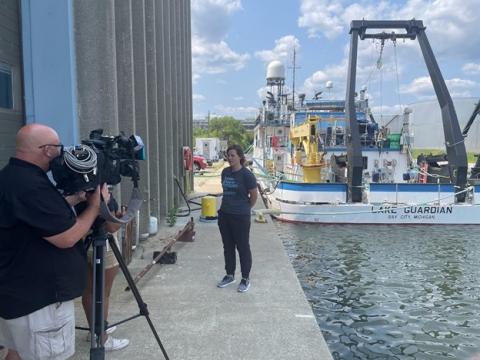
(236, 186)
(230, 186)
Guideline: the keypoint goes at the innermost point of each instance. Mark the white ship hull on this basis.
(324, 204)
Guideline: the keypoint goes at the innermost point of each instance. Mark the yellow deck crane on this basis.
(305, 139)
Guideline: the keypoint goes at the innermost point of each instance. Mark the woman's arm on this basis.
(253, 195)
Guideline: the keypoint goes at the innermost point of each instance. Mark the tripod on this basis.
(97, 321)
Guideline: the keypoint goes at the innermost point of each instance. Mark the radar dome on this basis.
(275, 71)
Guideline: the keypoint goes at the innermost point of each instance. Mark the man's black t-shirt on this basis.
(33, 272)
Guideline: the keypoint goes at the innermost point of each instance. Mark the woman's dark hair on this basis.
(239, 152)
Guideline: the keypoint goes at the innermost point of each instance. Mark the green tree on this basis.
(226, 128)
(199, 133)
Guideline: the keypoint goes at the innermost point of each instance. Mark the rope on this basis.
(367, 82)
(76, 162)
(455, 144)
(266, 175)
(432, 175)
(184, 212)
(381, 92)
(396, 73)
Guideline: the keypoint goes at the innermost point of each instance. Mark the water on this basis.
(391, 292)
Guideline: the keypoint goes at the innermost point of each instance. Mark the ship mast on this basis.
(294, 67)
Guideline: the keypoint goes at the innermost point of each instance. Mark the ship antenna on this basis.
(294, 67)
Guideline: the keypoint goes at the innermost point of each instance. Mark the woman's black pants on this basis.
(235, 231)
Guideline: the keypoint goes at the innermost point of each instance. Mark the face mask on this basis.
(56, 162)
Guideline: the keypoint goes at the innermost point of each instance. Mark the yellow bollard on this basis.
(260, 218)
(209, 208)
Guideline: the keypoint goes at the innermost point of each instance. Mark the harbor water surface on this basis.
(391, 292)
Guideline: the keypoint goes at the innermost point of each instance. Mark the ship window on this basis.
(6, 98)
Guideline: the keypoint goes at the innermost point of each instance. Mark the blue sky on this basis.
(234, 40)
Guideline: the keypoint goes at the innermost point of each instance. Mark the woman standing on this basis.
(239, 196)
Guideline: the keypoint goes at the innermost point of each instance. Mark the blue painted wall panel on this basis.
(49, 66)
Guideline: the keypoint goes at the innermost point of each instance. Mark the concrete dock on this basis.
(197, 320)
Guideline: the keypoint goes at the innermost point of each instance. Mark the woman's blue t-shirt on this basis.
(236, 185)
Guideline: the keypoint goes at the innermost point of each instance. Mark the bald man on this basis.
(42, 261)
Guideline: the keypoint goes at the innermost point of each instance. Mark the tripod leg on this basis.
(141, 305)
(97, 323)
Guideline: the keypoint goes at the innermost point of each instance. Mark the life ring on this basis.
(187, 158)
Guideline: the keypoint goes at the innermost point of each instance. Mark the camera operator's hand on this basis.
(106, 194)
(93, 199)
(76, 198)
(122, 212)
(69, 237)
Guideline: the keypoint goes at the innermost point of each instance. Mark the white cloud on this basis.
(367, 71)
(337, 74)
(331, 18)
(210, 18)
(238, 112)
(457, 83)
(321, 16)
(386, 109)
(215, 58)
(423, 86)
(262, 92)
(450, 24)
(419, 85)
(316, 81)
(198, 116)
(461, 94)
(471, 68)
(283, 50)
(198, 97)
(211, 54)
(195, 78)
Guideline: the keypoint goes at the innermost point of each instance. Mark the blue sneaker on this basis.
(244, 285)
(227, 280)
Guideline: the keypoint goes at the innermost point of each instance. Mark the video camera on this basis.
(100, 159)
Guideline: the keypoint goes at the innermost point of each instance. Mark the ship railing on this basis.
(441, 194)
(277, 140)
(277, 122)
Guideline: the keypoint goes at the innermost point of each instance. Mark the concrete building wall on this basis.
(168, 95)
(136, 78)
(120, 66)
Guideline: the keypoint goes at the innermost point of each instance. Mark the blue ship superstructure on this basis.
(332, 125)
(385, 148)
